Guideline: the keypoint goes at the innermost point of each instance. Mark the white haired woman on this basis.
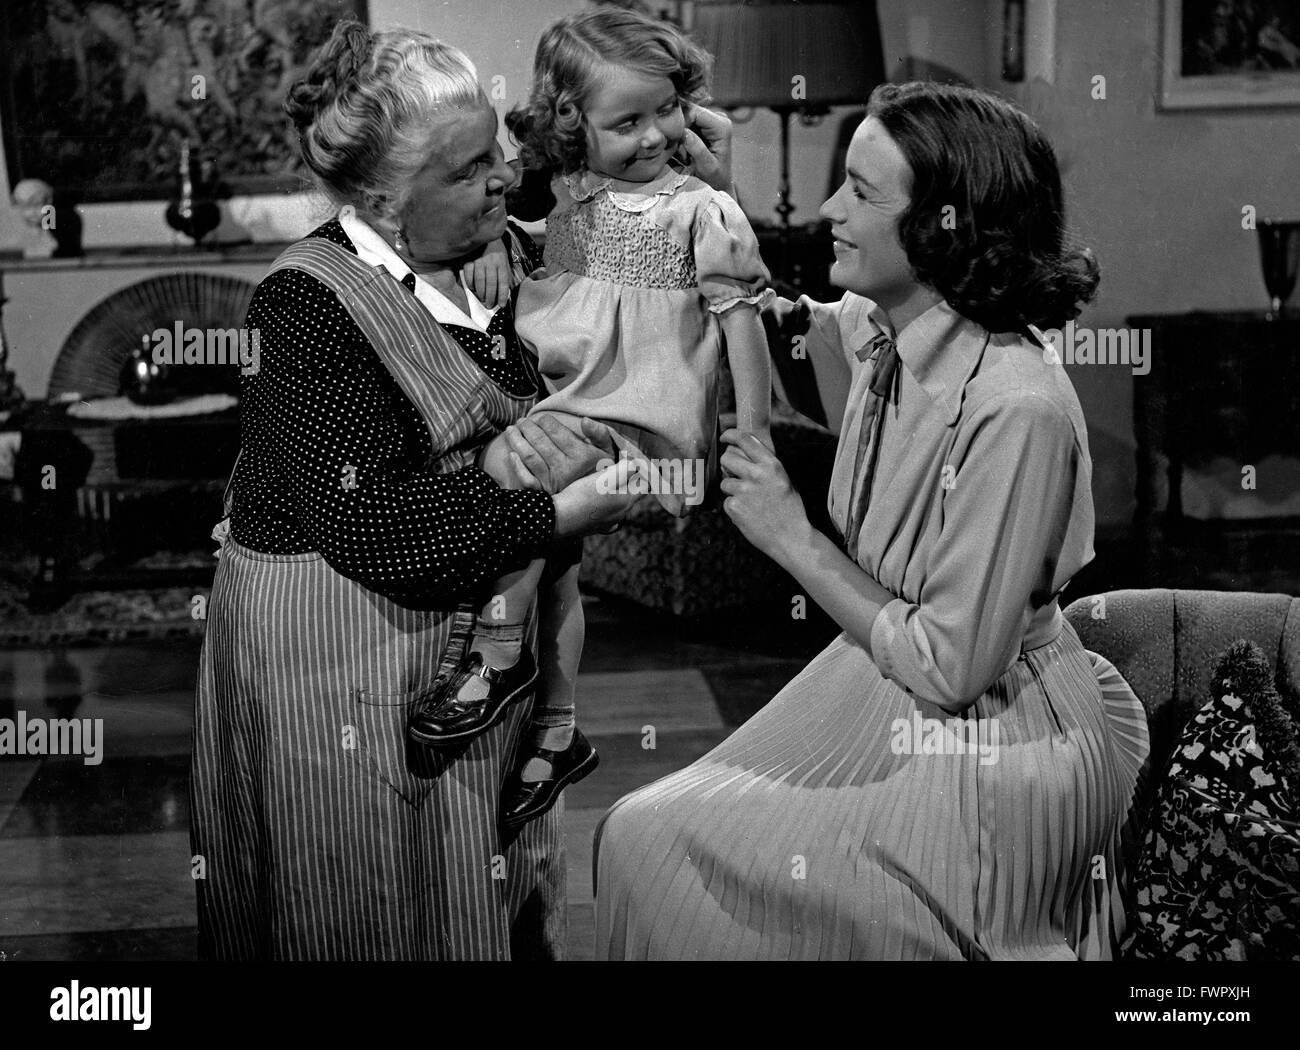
(360, 525)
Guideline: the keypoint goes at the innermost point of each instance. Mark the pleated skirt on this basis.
(849, 820)
(317, 831)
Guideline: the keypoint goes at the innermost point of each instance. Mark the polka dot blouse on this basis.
(323, 401)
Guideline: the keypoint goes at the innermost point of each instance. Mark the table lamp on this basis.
(791, 58)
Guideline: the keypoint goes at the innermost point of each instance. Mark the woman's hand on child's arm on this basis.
(751, 371)
(760, 498)
(770, 514)
(489, 275)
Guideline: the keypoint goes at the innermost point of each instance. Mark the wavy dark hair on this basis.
(1006, 260)
(550, 128)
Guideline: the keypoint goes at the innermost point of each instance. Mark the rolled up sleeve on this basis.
(1010, 484)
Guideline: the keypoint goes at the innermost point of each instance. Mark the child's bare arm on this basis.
(751, 370)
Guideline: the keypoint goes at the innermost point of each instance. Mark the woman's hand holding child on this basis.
(762, 502)
(489, 275)
(542, 452)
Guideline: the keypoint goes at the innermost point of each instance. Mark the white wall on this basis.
(1157, 195)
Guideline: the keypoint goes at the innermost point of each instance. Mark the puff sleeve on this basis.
(727, 264)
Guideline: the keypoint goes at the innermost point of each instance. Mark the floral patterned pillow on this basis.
(1219, 873)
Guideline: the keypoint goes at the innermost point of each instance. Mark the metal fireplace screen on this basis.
(95, 358)
(92, 358)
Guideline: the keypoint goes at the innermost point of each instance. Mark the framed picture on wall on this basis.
(96, 98)
(1229, 53)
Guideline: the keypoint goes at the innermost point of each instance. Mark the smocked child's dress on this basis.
(625, 324)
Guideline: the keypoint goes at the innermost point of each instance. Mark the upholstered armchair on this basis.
(1166, 642)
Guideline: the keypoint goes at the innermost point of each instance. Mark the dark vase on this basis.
(1279, 258)
(194, 213)
(145, 382)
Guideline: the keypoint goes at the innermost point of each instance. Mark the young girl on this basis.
(646, 270)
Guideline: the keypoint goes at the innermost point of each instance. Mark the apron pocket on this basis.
(381, 743)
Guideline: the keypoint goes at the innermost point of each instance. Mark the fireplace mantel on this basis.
(42, 300)
(146, 257)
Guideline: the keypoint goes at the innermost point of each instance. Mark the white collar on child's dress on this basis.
(941, 349)
(373, 250)
(584, 184)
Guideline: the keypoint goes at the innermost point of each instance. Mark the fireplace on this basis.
(95, 359)
(91, 358)
(130, 487)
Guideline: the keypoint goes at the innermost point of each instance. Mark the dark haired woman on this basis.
(947, 780)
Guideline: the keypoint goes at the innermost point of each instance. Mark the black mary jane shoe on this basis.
(453, 715)
(528, 800)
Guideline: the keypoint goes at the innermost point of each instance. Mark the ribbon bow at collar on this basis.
(884, 351)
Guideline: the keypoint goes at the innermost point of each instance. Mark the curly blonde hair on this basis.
(364, 108)
(550, 128)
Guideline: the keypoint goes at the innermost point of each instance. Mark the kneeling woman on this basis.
(828, 826)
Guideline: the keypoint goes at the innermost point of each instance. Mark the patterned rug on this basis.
(100, 617)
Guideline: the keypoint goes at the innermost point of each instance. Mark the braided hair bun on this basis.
(365, 109)
(336, 66)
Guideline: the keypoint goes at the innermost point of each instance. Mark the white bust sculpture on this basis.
(34, 200)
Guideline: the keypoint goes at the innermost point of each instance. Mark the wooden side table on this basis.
(1220, 384)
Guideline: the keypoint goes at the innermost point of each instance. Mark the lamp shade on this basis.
(762, 48)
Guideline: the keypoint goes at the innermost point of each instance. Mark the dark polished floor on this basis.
(94, 859)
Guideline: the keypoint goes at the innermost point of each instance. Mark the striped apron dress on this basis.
(317, 831)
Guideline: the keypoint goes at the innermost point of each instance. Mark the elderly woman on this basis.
(360, 531)
(949, 778)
